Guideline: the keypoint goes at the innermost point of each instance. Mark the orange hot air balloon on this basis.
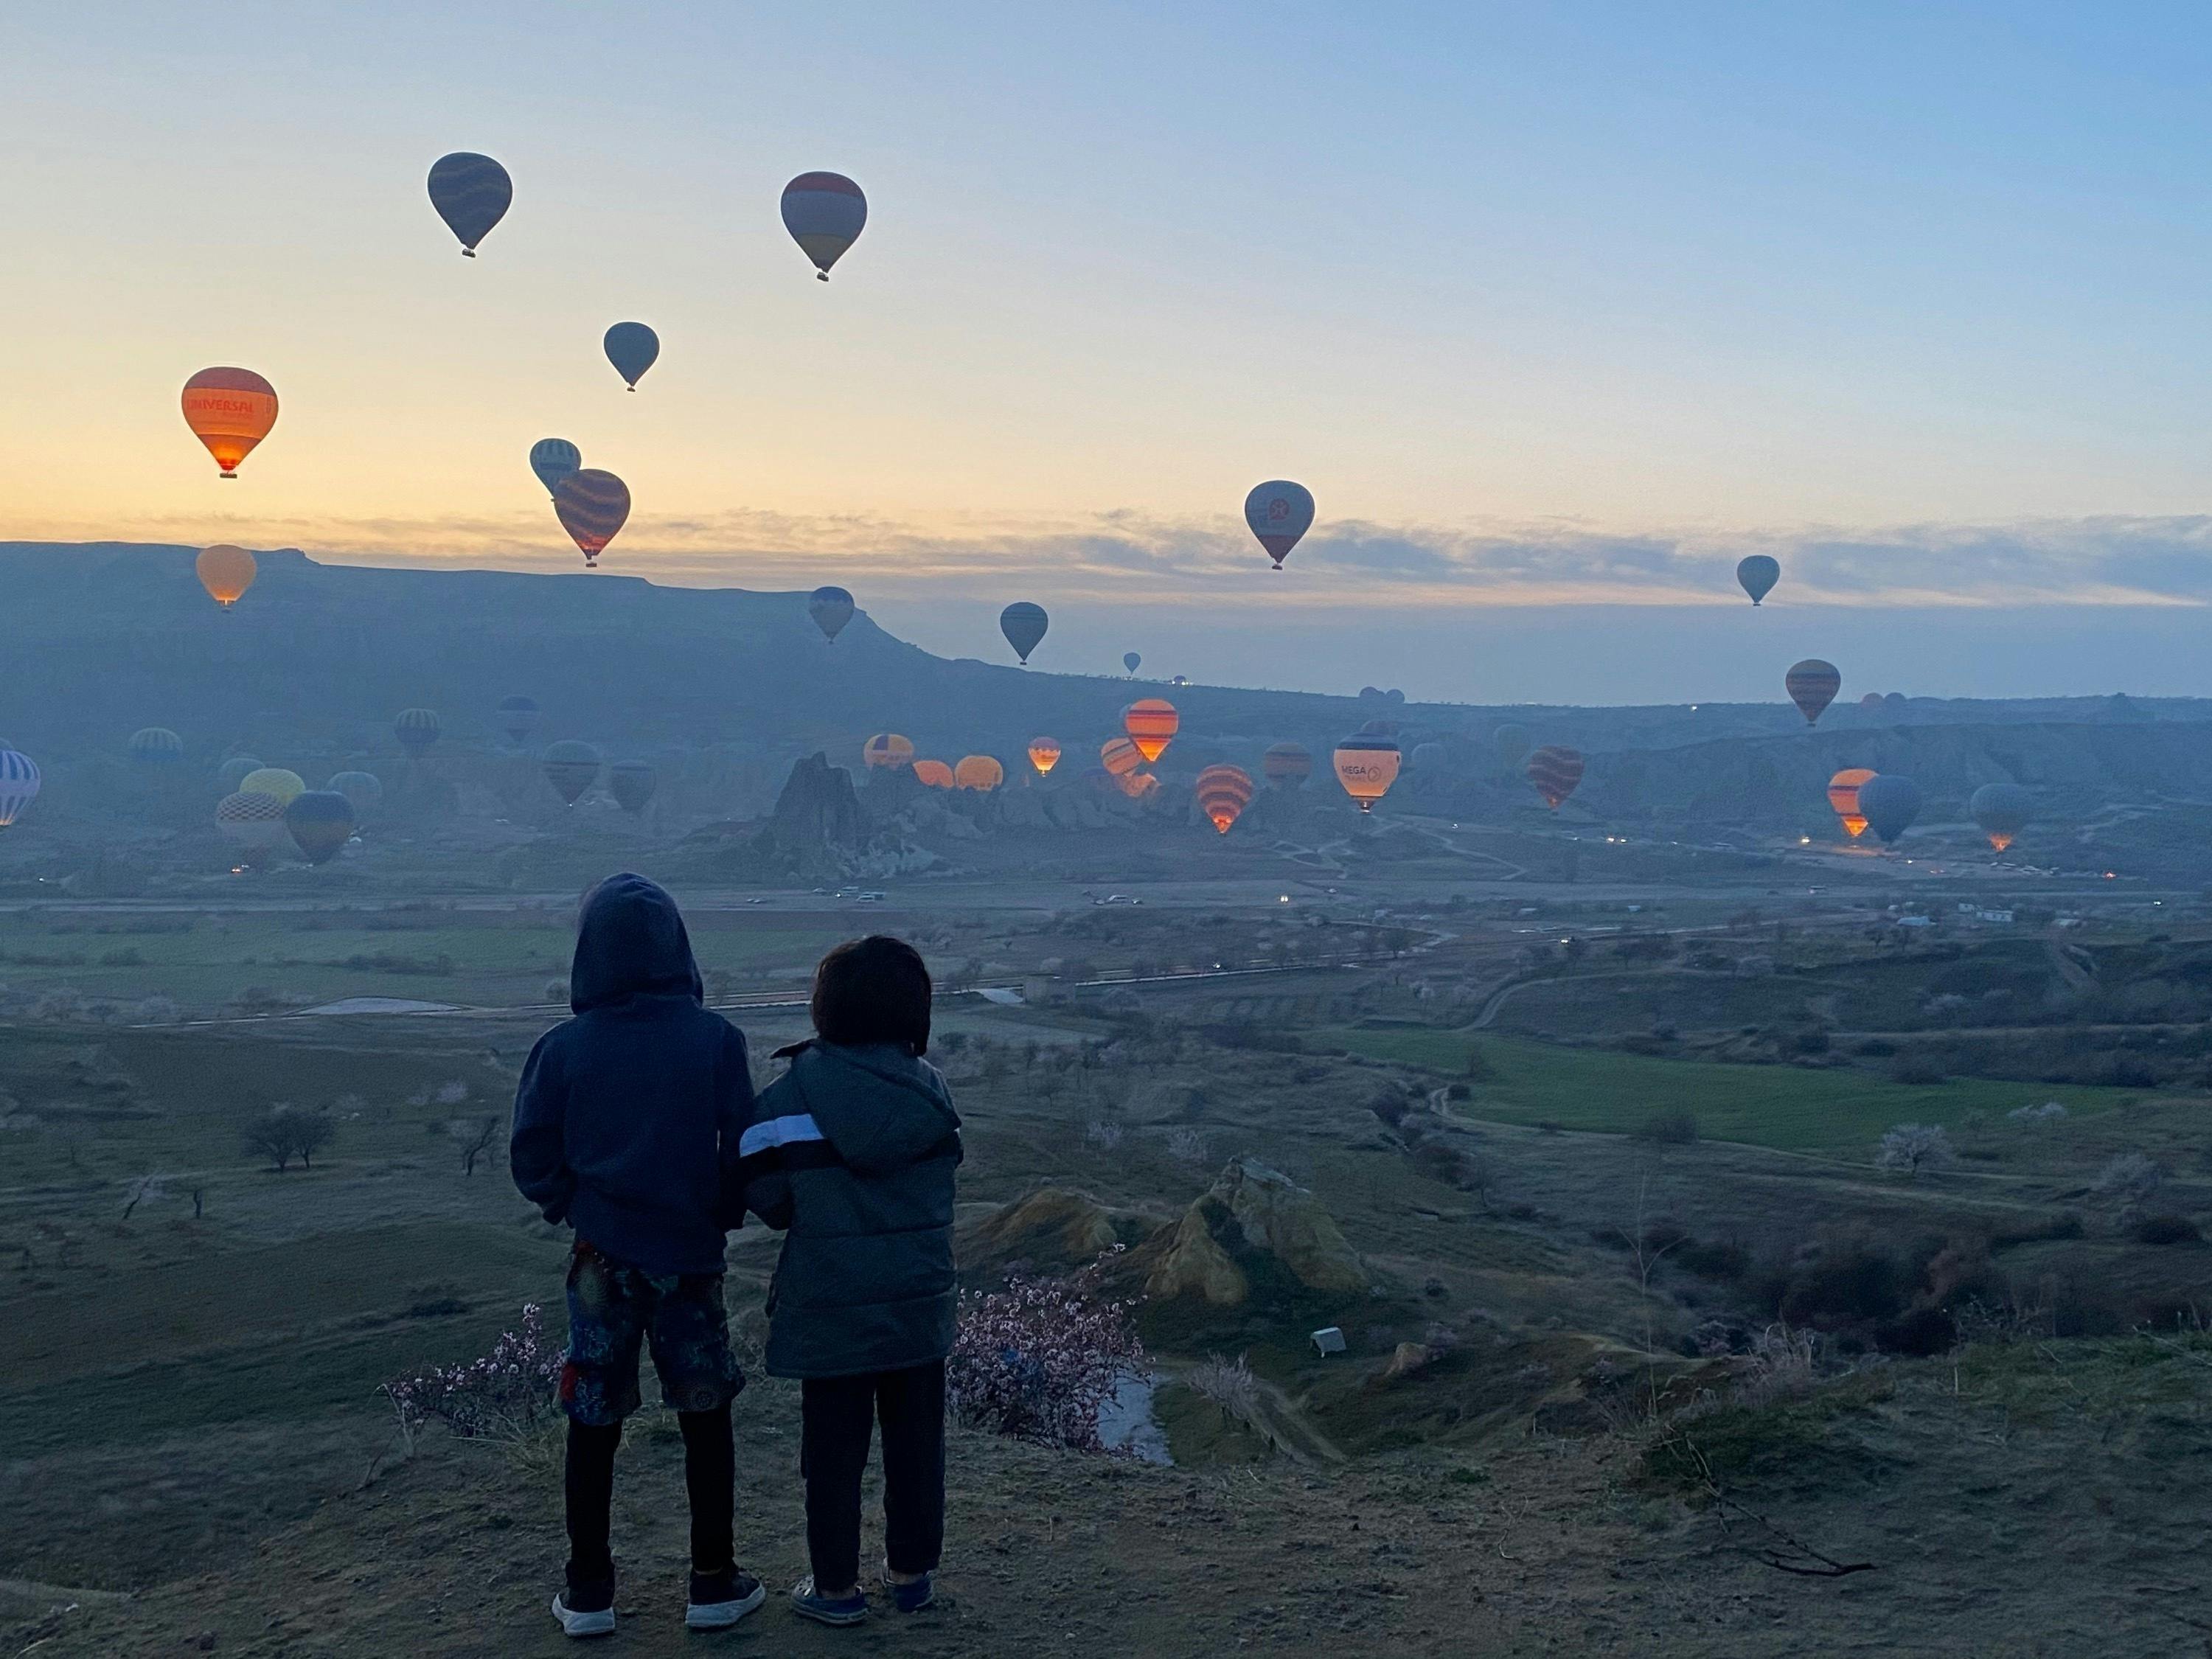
(1223, 792)
(1119, 757)
(935, 773)
(1044, 754)
(1555, 772)
(1152, 724)
(1138, 785)
(980, 773)
(1367, 766)
(887, 751)
(1843, 797)
(226, 572)
(229, 410)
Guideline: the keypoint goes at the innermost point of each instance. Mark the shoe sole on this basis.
(720, 1615)
(836, 1620)
(578, 1626)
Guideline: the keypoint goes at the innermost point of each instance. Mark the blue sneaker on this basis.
(823, 1611)
(913, 1597)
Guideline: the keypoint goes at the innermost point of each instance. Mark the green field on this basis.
(1789, 1108)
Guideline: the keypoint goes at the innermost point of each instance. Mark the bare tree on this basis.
(285, 1133)
(146, 1187)
(476, 1140)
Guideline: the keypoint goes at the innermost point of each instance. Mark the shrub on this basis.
(1390, 1105)
(2167, 1230)
(1848, 1282)
(1228, 1384)
(1913, 1148)
(1916, 1069)
(1478, 1068)
(1921, 1333)
(1669, 1129)
(504, 1395)
(2127, 1179)
(1188, 1146)
(1036, 1360)
(1814, 1041)
(1102, 1134)
(1877, 1048)
(2050, 1111)
(285, 1133)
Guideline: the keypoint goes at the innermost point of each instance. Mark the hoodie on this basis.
(628, 1117)
(853, 1151)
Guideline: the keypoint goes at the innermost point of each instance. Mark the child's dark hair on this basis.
(872, 990)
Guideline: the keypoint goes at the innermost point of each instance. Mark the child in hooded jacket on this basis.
(852, 1151)
(626, 1127)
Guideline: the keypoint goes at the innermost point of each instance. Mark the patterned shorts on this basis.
(614, 1309)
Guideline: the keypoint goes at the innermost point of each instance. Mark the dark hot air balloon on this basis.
(831, 609)
(1367, 767)
(631, 783)
(1812, 685)
(1279, 512)
(1758, 575)
(1222, 793)
(2001, 810)
(471, 193)
(825, 213)
(230, 410)
(1556, 772)
(593, 506)
(1287, 765)
(1024, 624)
(517, 717)
(416, 730)
(571, 767)
(632, 349)
(320, 822)
(364, 791)
(1889, 803)
(553, 459)
(1130, 660)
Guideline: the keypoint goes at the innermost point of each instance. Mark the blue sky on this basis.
(1558, 310)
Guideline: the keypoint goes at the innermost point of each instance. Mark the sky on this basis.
(1558, 310)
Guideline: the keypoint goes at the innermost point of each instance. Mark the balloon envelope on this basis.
(1024, 624)
(1513, 744)
(2001, 811)
(1367, 766)
(1287, 764)
(934, 772)
(980, 773)
(1222, 793)
(251, 820)
(230, 410)
(19, 785)
(831, 609)
(571, 767)
(631, 783)
(1844, 798)
(1130, 660)
(235, 770)
(1812, 685)
(226, 572)
(1556, 772)
(277, 782)
(593, 506)
(157, 746)
(553, 459)
(887, 751)
(471, 194)
(825, 213)
(518, 716)
(1120, 756)
(1890, 802)
(320, 822)
(1044, 754)
(364, 791)
(631, 348)
(1150, 724)
(416, 730)
(1279, 512)
(1758, 575)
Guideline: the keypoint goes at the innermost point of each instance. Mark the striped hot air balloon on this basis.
(364, 791)
(1367, 766)
(1044, 755)
(1844, 799)
(251, 822)
(831, 609)
(471, 194)
(1119, 757)
(887, 751)
(156, 746)
(319, 823)
(230, 410)
(571, 767)
(517, 717)
(553, 459)
(281, 784)
(1287, 765)
(1812, 685)
(593, 506)
(980, 773)
(632, 783)
(935, 773)
(1556, 772)
(824, 212)
(1150, 724)
(1279, 512)
(417, 729)
(19, 785)
(226, 572)
(1222, 793)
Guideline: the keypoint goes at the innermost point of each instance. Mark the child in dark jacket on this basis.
(853, 1151)
(627, 1127)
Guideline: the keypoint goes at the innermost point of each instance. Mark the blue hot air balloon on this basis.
(824, 212)
(632, 348)
(1889, 803)
(831, 609)
(553, 459)
(1024, 624)
(1758, 575)
(1131, 661)
(471, 193)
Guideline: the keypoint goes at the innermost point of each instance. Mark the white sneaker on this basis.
(601, 1623)
(733, 1598)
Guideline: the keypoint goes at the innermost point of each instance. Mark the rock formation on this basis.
(1254, 1229)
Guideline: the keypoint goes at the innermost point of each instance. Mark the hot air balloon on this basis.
(1429, 756)
(886, 752)
(1812, 685)
(251, 822)
(19, 785)
(980, 773)
(416, 730)
(1286, 764)
(471, 193)
(517, 717)
(1044, 754)
(156, 746)
(1152, 724)
(1279, 512)
(571, 767)
(1556, 772)
(320, 822)
(825, 213)
(226, 572)
(631, 783)
(1513, 744)
(831, 609)
(230, 410)
(1131, 661)
(1371, 694)
(631, 348)
(2002, 811)
(364, 791)
(592, 506)
(1138, 785)
(1844, 798)
(1394, 694)
(1378, 728)
(1223, 792)
(279, 783)
(1758, 575)
(1889, 803)
(553, 459)
(935, 773)
(1119, 757)
(1893, 700)
(1870, 702)
(235, 770)
(1024, 625)
(1367, 767)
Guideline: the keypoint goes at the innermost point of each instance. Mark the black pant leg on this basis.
(912, 1404)
(710, 1476)
(836, 1421)
(589, 1485)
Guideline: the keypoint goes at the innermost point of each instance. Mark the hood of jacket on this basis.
(630, 942)
(880, 1107)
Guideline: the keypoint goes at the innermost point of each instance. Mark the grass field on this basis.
(1788, 1107)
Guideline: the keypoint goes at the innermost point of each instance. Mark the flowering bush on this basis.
(1037, 1359)
(505, 1394)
